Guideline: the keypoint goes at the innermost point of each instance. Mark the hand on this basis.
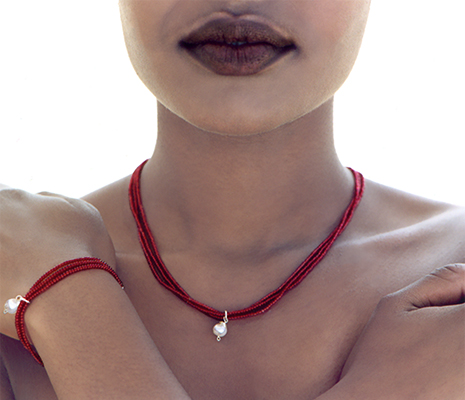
(38, 232)
(414, 345)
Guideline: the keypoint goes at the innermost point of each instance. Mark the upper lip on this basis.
(234, 31)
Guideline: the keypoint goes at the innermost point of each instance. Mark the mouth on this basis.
(236, 47)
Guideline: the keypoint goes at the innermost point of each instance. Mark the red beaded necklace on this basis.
(164, 277)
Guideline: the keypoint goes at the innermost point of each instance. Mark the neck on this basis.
(237, 196)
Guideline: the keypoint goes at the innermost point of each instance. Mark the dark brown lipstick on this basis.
(236, 47)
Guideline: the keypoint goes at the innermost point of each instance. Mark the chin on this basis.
(249, 121)
(235, 116)
(240, 124)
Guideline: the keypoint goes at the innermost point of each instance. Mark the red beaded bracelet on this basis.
(19, 304)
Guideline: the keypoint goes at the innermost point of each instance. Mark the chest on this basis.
(296, 350)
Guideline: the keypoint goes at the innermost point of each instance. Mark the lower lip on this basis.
(238, 60)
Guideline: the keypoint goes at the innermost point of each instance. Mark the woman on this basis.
(243, 185)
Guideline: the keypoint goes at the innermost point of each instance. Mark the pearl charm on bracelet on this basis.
(12, 305)
(220, 329)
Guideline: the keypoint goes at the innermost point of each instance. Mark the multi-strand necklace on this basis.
(164, 277)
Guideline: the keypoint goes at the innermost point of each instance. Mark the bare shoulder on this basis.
(410, 224)
(396, 238)
(112, 201)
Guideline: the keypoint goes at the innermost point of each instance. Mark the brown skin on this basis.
(243, 184)
(254, 351)
(415, 314)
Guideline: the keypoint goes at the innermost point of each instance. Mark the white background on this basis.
(74, 116)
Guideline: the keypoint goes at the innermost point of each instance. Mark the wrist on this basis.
(88, 324)
(20, 304)
(72, 302)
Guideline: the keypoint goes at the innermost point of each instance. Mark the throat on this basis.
(244, 194)
(239, 220)
(161, 273)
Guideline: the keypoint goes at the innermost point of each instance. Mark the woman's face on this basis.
(242, 67)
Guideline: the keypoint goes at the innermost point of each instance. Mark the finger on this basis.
(50, 194)
(55, 196)
(70, 200)
(443, 287)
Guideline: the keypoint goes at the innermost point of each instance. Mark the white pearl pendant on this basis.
(11, 305)
(220, 329)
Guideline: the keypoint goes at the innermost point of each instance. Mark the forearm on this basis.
(344, 392)
(94, 345)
